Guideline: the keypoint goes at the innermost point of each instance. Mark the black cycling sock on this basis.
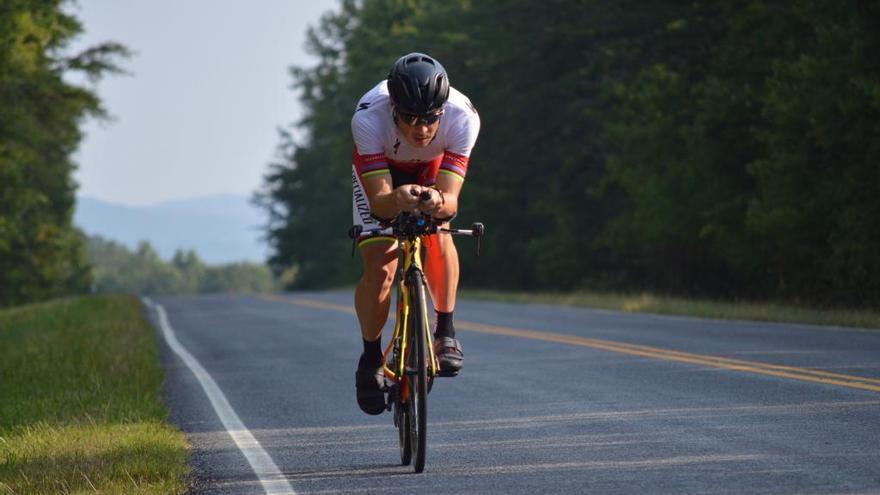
(372, 357)
(444, 326)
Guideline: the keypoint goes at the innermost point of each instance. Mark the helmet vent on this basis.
(419, 58)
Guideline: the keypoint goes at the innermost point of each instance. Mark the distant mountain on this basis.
(220, 229)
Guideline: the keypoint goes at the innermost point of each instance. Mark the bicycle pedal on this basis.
(448, 374)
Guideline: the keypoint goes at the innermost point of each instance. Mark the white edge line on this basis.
(272, 479)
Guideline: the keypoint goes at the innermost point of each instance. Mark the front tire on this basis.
(404, 431)
(419, 392)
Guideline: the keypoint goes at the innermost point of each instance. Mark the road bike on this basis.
(410, 363)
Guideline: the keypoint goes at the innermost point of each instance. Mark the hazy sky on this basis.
(209, 86)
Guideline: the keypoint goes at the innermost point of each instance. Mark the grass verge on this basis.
(649, 303)
(80, 404)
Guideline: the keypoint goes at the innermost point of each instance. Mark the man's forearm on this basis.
(449, 206)
(383, 206)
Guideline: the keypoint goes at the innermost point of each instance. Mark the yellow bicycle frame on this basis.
(412, 259)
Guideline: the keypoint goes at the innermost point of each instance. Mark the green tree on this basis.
(745, 158)
(41, 254)
(191, 269)
(118, 269)
(816, 215)
(694, 147)
(305, 190)
(238, 277)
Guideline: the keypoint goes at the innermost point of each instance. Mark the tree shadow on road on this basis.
(348, 472)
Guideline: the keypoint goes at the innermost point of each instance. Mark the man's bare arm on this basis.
(385, 201)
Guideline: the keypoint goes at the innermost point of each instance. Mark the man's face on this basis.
(418, 132)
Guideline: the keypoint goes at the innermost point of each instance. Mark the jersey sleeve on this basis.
(369, 158)
(461, 142)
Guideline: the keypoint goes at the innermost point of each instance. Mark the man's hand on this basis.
(431, 205)
(406, 197)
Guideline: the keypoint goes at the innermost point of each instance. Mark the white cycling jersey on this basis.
(379, 146)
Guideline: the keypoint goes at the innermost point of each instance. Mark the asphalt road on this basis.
(551, 400)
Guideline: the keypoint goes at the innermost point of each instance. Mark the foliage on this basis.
(701, 148)
(117, 269)
(41, 254)
(750, 160)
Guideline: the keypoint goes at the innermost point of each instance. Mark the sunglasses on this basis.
(414, 120)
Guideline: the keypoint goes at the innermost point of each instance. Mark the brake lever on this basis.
(478, 229)
(354, 232)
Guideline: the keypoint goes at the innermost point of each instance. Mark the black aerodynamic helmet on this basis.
(418, 84)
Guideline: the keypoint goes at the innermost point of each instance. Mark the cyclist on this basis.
(412, 133)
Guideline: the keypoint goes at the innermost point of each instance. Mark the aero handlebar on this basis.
(477, 230)
(411, 225)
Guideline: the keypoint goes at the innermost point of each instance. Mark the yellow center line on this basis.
(311, 303)
(791, 372)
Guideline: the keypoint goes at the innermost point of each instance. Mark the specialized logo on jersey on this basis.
(365, 105)
(361, 205)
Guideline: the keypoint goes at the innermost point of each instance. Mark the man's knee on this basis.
(379, 276)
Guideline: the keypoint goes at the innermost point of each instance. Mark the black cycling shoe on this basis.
(370, 384)
(449, 355)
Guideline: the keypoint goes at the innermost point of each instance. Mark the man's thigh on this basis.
(378, 254)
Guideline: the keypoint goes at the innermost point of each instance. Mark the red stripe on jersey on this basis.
(369, 163)
(455, 163)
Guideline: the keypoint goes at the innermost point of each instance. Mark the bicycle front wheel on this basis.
(403, 417)
(419, 385)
